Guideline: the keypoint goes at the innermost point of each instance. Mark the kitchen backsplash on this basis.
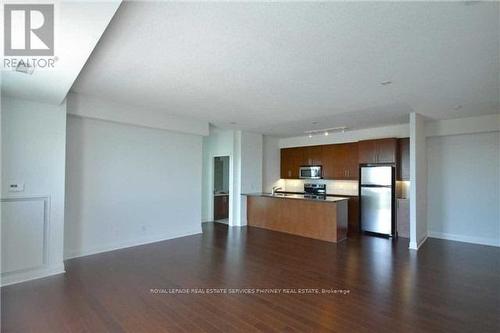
(341, 187)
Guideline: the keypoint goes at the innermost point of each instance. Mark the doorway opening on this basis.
(221, 189)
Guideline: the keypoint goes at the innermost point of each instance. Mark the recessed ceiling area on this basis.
(78, 27)
(274, 68)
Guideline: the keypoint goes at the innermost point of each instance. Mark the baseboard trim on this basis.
(32, 274)
(415, 246)
(464, 239)
(123, 245)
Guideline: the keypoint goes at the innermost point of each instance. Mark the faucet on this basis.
(275, 188)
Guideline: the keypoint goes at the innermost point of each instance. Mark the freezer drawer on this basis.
(381, 175)
(376, 209)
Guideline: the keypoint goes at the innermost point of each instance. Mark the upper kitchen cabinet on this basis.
(312, 155)
(340, 161)
(403, 165)
(329, 153)
(377, 151)
(291, 160)
(351, 163)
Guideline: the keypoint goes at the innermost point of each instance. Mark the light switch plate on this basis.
(18, 187)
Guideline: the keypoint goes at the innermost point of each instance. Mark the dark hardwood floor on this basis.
(445, 287)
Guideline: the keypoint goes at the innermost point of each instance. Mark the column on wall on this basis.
(418, 180)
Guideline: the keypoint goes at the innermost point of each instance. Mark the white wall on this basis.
(251, 162)
(95, 108)
(129, 185)
(418, 180)
(464, 187)
(271, 160)
(33, 153)
(251, 169)
(469, 125)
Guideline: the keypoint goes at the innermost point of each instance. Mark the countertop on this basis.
(296, 197)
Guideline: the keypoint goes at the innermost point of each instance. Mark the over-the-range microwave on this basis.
(310, 172)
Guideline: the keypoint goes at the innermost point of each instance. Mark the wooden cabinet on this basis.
(291, 160)
(403, 164)
(377, 151)
(328, 160)
(367, 152)
(221, 207)
(340, 161)
(353, 216)
(349, 165)
(386, 150)
(308, 218)
(312, 155)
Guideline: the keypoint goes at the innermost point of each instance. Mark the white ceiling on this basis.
(77, 28)
(276, 67)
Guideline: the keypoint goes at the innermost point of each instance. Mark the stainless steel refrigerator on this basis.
(376, 187)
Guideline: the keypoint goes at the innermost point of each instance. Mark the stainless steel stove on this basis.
(315, 191)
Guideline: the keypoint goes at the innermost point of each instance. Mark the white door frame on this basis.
(212, 184)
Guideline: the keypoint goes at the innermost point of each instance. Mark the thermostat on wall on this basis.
(19, 187)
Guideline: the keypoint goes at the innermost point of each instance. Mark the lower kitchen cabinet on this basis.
(353, 216)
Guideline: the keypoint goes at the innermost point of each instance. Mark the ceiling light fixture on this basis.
(325, 131)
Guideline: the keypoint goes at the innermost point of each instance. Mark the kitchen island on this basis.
(322, 218)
